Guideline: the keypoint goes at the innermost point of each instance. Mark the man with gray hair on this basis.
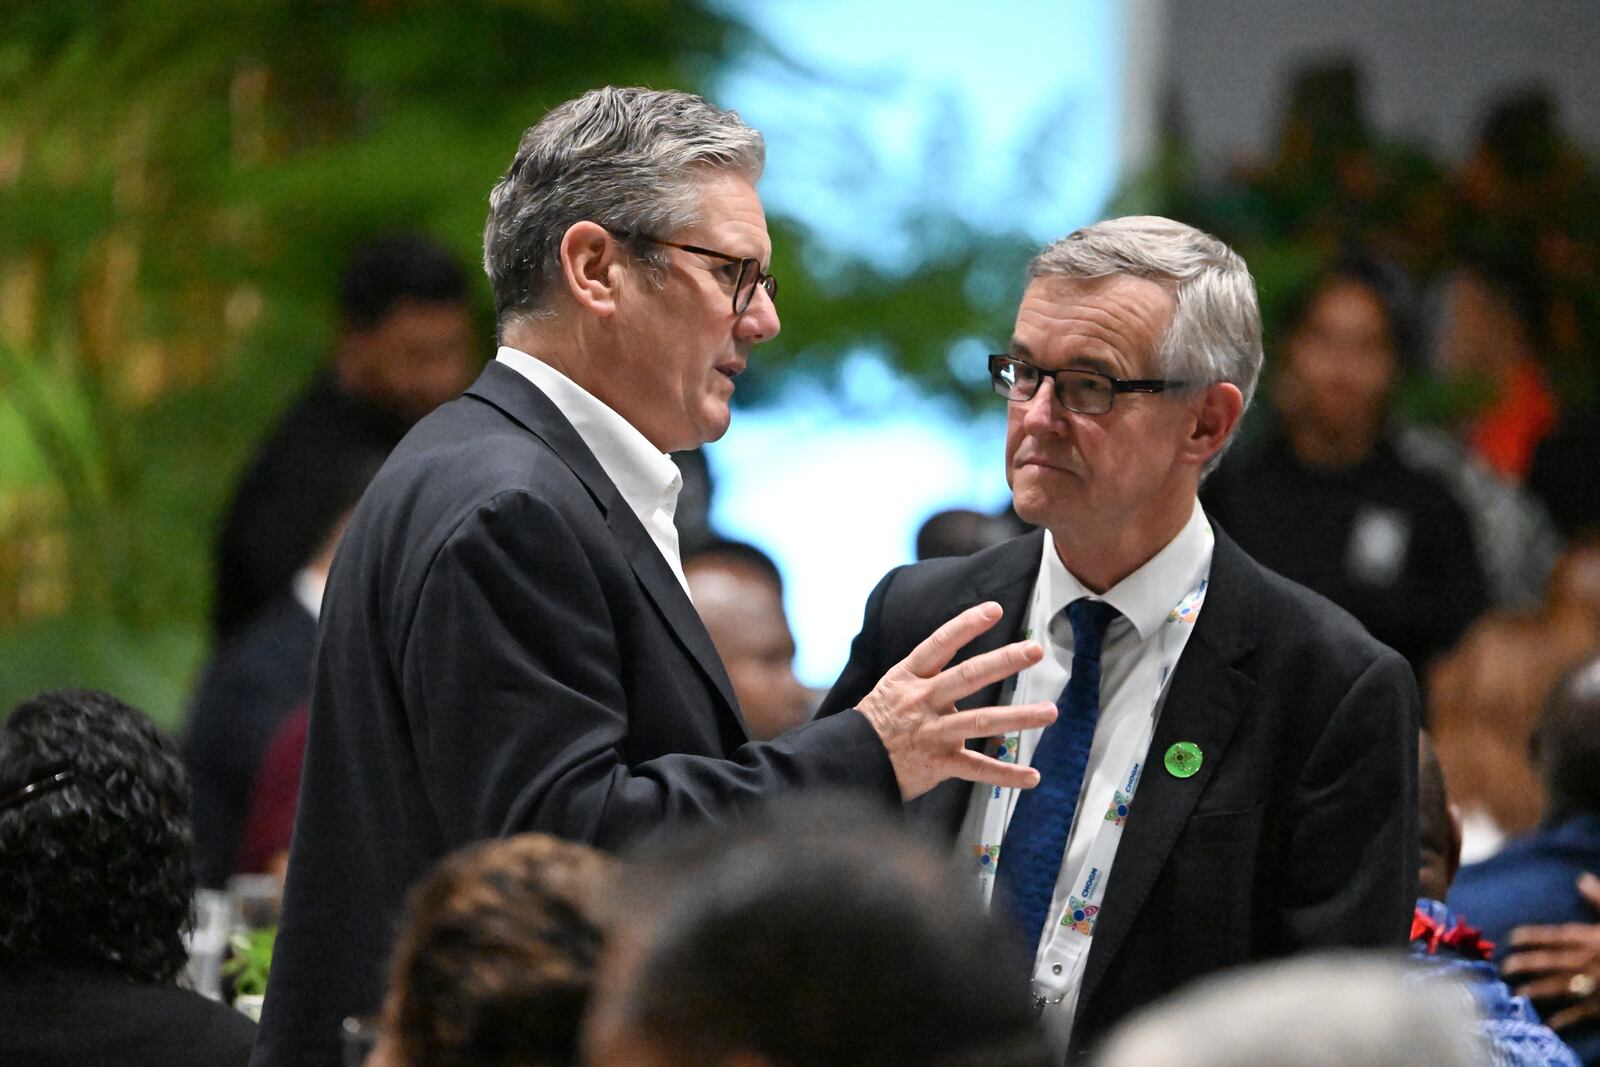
(1253, 744)
(507, 643)
(1343, 1010)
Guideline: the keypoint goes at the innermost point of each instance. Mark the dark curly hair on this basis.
(97, 866)
(495, 962)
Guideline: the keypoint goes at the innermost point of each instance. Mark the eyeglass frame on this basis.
(1118, 386)
(763, 280)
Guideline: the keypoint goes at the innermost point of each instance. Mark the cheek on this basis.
(1013, 434)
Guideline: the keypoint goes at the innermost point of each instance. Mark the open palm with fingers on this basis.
(913, 708)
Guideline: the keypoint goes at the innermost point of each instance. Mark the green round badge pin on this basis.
(1183, 759)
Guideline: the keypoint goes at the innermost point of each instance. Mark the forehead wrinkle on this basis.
(1099, 319)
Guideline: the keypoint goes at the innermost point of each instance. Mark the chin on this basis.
(713, 426)
(1031, 504)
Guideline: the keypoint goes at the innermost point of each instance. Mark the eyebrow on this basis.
(737, 248)
(1077, 362)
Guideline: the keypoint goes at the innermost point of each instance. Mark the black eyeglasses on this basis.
(1087, 392)
(744, 271)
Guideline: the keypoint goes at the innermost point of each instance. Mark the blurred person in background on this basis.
(1526, 193)
(508, 643)
(496, 958)
(1491, 338)
(1444, 946)
(268, 826)
(1486, 694)
(1331, 1011)
(258, 677)
(1534, 879)
(815, 933)
(1324, 497)
(1566, 476)
(961, 532)
(404, 347)
(738, 591)
(1232, 774)
(1559, 966)
(96, 892)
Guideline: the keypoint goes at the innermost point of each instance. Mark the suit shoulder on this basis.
(466, 457)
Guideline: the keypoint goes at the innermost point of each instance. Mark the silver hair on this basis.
(1327, 1011)
(1215, 335)
(626, 158)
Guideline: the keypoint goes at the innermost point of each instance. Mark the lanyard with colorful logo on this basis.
(1082, 906)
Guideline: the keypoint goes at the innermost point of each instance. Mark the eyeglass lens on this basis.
(745, 291)
(1080, 391)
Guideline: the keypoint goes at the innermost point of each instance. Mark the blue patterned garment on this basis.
(1516, 1036)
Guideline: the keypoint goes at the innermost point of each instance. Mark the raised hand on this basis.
(913, 708)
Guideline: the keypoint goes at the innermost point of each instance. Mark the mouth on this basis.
(730, 370)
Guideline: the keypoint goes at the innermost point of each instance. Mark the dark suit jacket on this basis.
(1299, 830)
(502, 649)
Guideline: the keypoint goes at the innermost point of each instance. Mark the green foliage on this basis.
(180, 185)
(251, 960)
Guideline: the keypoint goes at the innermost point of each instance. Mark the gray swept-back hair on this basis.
(1215, 335)
(626, 158)
(1331, 1010)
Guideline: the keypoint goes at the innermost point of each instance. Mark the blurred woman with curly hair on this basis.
(96, 889)
(495, 959)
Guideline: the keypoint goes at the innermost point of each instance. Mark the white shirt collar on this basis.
(647, 479)
(1147, 596)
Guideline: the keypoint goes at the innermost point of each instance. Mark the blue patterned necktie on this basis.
(1036, 839)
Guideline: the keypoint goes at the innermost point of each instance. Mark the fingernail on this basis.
(992, 610)
(1588, 882)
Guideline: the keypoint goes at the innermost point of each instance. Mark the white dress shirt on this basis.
(1158, 603)
(647, 479)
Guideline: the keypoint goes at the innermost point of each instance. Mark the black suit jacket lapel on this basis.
(1209, 693)
(1008, 580)
(517, 397)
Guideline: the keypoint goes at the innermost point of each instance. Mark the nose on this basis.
(1040, 414)
(758, 322)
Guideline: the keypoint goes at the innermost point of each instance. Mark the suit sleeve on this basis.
(1353, 848)
(511, 674)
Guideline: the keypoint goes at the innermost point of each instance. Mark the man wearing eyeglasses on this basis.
(507, 643)
(1232, 773)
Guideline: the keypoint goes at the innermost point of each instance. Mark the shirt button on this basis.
(1055, 969)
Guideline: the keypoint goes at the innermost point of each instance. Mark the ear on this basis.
(592, 267)
(1216, 415)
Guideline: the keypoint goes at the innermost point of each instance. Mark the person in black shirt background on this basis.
(1323, 497)
(404, 347)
